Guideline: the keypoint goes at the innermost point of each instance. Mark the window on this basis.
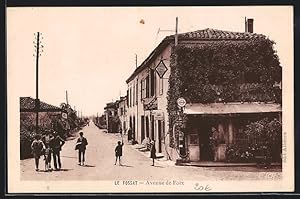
(152, 79)
(147, 86)
(127, 97)
(137, 92)
(133, 95)
(130, 97)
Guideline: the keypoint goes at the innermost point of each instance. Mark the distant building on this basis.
(47, 115)
(122, 113)
(111, 113)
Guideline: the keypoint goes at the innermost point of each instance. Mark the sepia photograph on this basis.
(150, 99)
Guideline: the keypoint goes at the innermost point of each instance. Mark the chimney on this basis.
(249, 25)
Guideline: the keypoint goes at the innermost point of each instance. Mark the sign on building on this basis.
(181, 102)
(158, 115)
(64, 115)
(161, 69)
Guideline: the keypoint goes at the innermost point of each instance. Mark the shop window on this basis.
(194, 139)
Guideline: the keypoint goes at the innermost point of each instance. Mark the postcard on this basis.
(150, 99)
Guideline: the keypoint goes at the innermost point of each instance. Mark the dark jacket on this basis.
(118, 149)
(81, 144)
(56, 143)
(152, 151)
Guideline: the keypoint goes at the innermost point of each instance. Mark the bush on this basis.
(244, 154)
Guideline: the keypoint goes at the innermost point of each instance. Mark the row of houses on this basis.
(197, 93)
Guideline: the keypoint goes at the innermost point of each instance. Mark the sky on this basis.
(90, 51)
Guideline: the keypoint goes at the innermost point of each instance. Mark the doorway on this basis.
(142, 128)
(206, 152)
(159, 126)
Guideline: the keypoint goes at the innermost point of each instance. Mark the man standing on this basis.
(81, 147)
(37, 147)
(56, 143)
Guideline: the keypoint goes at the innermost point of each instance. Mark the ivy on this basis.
(223, 71)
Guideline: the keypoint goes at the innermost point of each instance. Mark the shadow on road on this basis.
(63, 170)
(124, 165)
(68, 156)
(158, 166)
(86, 165)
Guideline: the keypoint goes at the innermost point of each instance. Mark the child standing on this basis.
(37, 147)
(152, 151)
(48, 152)
(118, 152)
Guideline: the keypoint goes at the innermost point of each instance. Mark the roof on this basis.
(214, 34)
(111, 105)
(27, 104)
(207, 34)
(229, 108)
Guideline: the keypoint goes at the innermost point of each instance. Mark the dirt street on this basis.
(100, 164)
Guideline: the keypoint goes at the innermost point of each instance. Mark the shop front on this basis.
(212, 129)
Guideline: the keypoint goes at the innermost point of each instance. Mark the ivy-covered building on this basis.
(231, 82)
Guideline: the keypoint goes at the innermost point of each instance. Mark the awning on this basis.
(228, 108)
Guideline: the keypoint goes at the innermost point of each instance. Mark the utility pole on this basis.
(67, 97)
(136, 61)
(37, 100)
(176, 32)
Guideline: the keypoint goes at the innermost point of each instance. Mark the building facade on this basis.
(220, 107)
(122, 113)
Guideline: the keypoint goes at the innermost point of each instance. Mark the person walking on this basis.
(38, 148)
(56, 143)
(118, 152)
(152, 151)
(81, 147)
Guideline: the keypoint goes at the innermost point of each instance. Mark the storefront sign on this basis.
(158, 115)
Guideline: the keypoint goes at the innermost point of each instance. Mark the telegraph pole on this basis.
(67, 97)
(176, 32)
(37, 100)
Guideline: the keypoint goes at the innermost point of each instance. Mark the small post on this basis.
(136, 61)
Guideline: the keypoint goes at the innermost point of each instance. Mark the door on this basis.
(142, 128)
(147, 126)
(193, 146)
(159, 126)
(152, 127)
(206, 153)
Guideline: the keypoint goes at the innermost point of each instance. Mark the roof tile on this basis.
(28, 103)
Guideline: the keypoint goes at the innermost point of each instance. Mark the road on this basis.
(100, 164)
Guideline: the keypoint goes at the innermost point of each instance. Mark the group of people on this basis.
(48, 146)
